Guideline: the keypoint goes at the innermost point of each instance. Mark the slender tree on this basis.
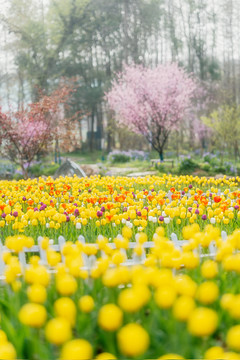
(225, 123)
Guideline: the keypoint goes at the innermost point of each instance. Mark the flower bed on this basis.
(173, 304)
(93, 206)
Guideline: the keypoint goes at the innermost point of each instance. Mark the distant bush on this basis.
(39, 169)
(207, 157)
(36, 169)
(212, 159)
(187, 166)
(230, 168)
(6, 170)
(220, 170)
(17, 176)
(215, 162)
(118, 156)
(161, 168)
(206, 167)
(50, 169)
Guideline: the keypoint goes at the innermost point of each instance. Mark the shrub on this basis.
(230, 168)
(50, 169)
(120, 158)
(17, 176)
(161, 168)
(215, 161)
(187, 166)
(117, 156)
(207, 157)
(220, 170)
(36, 169)
(206, 167)
(6, 170)
(212, 159)
(39, 169)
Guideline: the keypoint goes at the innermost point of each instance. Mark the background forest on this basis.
(88, 41)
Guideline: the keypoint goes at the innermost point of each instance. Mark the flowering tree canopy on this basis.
(24, 133)
(152, 102)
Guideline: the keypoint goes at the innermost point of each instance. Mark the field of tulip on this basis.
(172, 302)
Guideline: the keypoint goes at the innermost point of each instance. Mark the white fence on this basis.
(89, 261)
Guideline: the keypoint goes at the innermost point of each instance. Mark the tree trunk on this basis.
(92, 131)
(80, 134)
(126, 29)
(99, 127)
(109, 131)
(177, 140)
(161, 155)
(24, 171)
(56, 151)
(236, 152)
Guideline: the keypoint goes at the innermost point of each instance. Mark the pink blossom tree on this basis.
(152, 102)
(24, 133)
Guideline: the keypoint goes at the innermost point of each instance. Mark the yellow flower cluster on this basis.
(179, 301)
(83, 206)
(173, 286)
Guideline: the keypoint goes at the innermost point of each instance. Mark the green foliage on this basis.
(161, 168)
(36, 169)
(187, 166)
(211, 162)
(50, 170)
(214, 70)
(206, 167)
(220, 170)
(120, 158)
(207, 158)
(225, 125)
(17, 176)
(43, 169)
(215, 161)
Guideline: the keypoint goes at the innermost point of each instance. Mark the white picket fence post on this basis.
(42, 252)
(81, 239)
(90, 261)
(61, 242)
